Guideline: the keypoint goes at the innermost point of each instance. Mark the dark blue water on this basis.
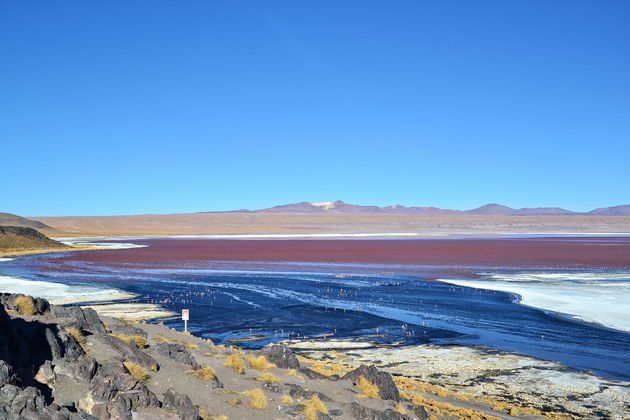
(387, 308)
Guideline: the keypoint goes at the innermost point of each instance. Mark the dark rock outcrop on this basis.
(387, 389)
(359, 411)
(281, 356)
(125, 352)
(119, 327)
(178, 353)
(7, 376)
(300, 393)
(182, 404)
(311, 374)
(28, 403)
(115, 393)
(85, 319)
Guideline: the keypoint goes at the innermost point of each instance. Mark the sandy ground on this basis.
(292, 223)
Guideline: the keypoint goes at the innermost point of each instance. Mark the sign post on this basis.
(185, 315)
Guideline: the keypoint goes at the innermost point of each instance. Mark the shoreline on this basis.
(36, 251)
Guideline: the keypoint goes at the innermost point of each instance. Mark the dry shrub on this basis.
(367, 388)
(269, 378)
(513, 412)
(287, 400)
(400, 409)
(257, 399)
(137, 371)
(312, 407)
(26, 305)
(78, 336)
(206, 373)
(192, 346)
(140, 341)
(162, 340)
(419, 400)
(187, 333)
(235, 402)
(203, 413)
(236, 363)
(259, 363)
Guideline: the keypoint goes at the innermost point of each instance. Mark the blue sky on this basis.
(158, 107)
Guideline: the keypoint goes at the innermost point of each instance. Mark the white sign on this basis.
(185, 314)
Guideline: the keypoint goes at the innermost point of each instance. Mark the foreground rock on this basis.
(66, 363)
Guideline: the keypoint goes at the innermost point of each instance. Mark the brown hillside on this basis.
(18, 239)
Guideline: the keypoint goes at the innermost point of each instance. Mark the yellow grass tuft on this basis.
(222, 417)
(259, 363)
(400, 409)
(287, 400)
(186, 333)
(140, 341)
(236, 363)
(513, 412)
(162, 339)
(367, 388)
(154, 368)
(291, 372)
(312, 407)
(257, 399)
(235, 402)
(78, 336)
(269, 378)
(203, 413)
(26, 305)
(206, 373)
(137, 371)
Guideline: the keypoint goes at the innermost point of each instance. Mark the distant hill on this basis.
(8, 219)
(497, 209)
(488, 209)
(14, 239)
(612, 211)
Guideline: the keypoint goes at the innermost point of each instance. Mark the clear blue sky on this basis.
(160, 106)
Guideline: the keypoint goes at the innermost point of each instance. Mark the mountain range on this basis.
(488, 209)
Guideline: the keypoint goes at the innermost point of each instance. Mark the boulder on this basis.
(281, 356)
(387, 389)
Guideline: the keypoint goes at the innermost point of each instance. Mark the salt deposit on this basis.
(61, 294)
(597, 296)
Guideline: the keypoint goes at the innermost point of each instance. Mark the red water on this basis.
(573, 252)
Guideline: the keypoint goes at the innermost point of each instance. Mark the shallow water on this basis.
(293, 300)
